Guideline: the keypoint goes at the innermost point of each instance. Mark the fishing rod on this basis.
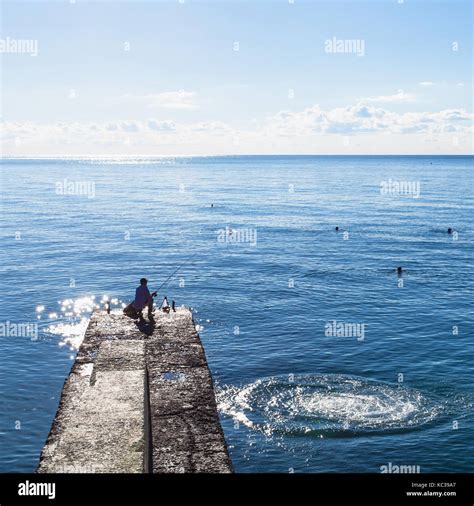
(173, 273)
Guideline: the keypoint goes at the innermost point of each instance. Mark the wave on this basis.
(327, 404)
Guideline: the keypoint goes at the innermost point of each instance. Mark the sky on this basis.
(182, 77)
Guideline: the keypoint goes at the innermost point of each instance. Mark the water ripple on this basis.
(327, 404)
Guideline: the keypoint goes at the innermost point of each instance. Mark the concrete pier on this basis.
(138, 400)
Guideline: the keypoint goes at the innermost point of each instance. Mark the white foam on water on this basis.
(326, 403)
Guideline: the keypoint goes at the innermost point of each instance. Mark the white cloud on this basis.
(130, 126)
(181, 99)
(372, 129)
(427, 84)
(362, 118)
(400, 96)
(161, 126)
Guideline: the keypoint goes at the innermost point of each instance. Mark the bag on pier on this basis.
(130, 311)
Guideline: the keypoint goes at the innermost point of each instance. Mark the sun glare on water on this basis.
(70, 321)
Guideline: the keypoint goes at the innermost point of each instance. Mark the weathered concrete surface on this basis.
(138, 400)
(99, 426)
(186, 431)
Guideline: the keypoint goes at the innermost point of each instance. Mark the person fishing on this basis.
(143, 299)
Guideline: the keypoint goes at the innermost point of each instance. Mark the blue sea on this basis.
(323, 357)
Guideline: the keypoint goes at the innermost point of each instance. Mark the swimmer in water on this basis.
(337, 229)
(399, 271)
(450, 230)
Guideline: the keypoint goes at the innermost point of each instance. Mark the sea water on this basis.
(323, 358)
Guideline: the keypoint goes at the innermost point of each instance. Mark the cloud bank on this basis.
(362, 127)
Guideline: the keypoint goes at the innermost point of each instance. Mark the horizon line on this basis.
(152, 157)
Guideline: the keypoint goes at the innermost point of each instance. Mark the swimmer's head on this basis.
(337, 229)
(450, 230)
(399, 270)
